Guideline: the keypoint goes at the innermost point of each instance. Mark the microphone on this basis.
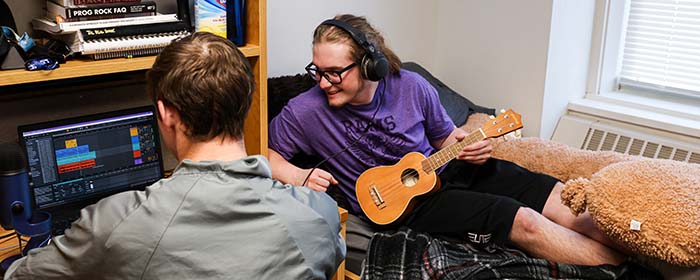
(14, 185)
(15, 203)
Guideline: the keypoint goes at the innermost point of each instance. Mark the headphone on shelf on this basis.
(374, 65)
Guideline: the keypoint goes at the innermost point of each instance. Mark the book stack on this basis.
(105, 29)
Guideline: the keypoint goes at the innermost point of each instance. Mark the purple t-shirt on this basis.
(410, 117)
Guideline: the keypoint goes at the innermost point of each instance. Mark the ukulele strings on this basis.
(397, 187)
(392, 188)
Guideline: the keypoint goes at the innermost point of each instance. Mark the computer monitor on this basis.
(75, 162)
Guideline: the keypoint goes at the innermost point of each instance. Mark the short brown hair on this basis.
(208, 81)
(332, 34)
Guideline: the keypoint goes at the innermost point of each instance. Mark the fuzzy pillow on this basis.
(662, 196)
(555, 159)
(651, 206)
(547, 157)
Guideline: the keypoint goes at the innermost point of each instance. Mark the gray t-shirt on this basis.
(409, 119)
(210, 220)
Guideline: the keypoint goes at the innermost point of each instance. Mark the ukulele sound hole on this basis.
(409, 177)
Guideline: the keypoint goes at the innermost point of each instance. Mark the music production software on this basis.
(72, 162)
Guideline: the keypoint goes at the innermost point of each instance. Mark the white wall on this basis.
(407, 25)
(495, 53)
(567, 60)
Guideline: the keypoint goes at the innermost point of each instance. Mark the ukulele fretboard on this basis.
(448, 153)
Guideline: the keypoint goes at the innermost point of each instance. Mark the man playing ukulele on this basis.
(367, 112)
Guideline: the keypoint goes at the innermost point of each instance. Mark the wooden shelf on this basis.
(21, 86)
(86, 67)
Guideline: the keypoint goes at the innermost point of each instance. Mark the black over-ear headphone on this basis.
(374, 65)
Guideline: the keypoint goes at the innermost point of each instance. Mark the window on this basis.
(645, 63)
(661, 49)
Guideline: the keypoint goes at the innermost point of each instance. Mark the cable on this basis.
(364, 133)
(19, 242)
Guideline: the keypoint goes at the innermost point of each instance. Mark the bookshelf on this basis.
(87, 67)
(255, 49)
(256, 35)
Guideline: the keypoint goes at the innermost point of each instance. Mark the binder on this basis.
(132, 30)
(130, 40)
(235, 21)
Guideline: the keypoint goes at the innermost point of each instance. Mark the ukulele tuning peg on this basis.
(503, 111)
(518, 133)
(492, 117)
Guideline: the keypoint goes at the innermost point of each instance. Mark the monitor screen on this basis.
(90, 157)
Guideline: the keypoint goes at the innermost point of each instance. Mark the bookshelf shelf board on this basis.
(87, 67)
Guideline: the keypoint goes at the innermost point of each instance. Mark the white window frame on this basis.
(646, 107)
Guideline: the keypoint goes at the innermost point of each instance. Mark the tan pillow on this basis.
(651, 206)
(547, 157)
(474, 121)
(555, 159)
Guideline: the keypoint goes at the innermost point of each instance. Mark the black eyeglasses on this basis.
(333, 77)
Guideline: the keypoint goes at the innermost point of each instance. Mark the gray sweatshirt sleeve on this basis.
(76, 254)
(313, 222)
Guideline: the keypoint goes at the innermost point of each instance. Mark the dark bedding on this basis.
(406, 254)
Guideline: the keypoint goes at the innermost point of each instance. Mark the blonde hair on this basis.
(333, 34)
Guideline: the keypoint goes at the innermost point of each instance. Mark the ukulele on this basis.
(387, 193)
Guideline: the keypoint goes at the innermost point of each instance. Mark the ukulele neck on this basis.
(450, 152)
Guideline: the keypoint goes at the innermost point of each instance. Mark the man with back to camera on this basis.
(366, 111)
(220, 214)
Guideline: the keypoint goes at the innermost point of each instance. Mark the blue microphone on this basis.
(14, 185)
(15, 202)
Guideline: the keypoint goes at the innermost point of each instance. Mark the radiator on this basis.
(588, 133)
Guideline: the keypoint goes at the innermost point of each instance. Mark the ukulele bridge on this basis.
(376, 197)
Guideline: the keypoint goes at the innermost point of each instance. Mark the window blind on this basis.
(662, 46)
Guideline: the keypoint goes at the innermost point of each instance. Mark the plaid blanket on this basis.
(406, 254)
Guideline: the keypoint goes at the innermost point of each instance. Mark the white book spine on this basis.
(72, 3)
(68, 27)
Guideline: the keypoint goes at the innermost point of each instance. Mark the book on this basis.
(130, 46)
(80, 13)
(130, 40)
(91, 2)
(235, 21)
(132, 30)
(48, 25)
(210, 16)
(60, 19)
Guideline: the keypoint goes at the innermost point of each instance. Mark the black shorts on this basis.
(479, 203)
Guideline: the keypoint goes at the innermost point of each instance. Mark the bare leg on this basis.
(543, 238)
(583, 223)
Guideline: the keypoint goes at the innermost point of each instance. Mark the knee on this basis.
(527, 226)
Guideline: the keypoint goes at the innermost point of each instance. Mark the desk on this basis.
(8, 242)
(340, 274)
